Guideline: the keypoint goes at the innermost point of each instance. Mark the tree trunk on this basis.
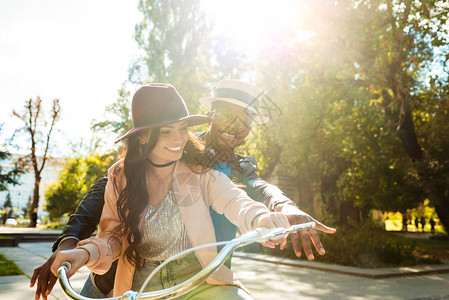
(407, 135)
(35, 203)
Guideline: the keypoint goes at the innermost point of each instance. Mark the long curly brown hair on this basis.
(131, 203)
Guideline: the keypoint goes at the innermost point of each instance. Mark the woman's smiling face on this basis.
(170, 144)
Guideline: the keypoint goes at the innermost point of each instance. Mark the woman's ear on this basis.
(144, 137)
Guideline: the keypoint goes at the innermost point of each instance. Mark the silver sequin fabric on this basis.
(163, 233)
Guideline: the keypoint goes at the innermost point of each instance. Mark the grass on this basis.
(429, 247)
(8, 268)
(55, 226)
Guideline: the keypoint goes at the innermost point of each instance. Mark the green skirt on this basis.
(179, 271)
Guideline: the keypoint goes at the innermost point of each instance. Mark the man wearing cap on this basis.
(235, 107)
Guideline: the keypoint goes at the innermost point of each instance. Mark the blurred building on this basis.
(21, 194)
(300, 191)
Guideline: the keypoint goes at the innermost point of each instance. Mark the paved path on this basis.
(266, 280)
(288, 283)
(28, 256)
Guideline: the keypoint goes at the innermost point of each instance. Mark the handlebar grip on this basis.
(66, 265)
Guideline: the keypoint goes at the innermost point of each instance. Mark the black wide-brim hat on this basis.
(239, 93)
(158, 104)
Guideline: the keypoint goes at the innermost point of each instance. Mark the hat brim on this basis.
(206, 102)
(192, 120)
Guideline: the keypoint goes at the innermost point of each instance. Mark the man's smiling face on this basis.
(230, 126)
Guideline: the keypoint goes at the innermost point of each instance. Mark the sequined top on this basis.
(163, 232)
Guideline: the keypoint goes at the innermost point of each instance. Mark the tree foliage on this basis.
(174, 44)
(364, 116)
(8, 202)
(391, 49)
(74, 181)
(10, 175)
(118, 116)
(178, 46)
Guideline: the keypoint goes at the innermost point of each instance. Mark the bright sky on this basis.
(79, 51)
(254, 25)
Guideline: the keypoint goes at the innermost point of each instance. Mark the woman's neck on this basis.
(162, 173)
(159, 182)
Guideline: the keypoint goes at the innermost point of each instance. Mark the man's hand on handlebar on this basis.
(297, 216)
(45, 278)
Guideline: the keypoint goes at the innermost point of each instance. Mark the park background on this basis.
(358, 97)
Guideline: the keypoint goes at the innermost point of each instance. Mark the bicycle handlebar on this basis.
(258, 235)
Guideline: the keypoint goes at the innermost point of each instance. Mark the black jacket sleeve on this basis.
(257, 188)
(84, 221)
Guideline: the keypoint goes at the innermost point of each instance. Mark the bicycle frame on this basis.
(258, 235)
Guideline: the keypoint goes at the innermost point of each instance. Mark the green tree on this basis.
(8, 202)
(393, 46)
(27, 208)
(177, 47)
(118, 115)
(175, 42)
(61, 197)
(331, 89)
(74, 181)
(7, 206)
(10, 176)
(38, 128)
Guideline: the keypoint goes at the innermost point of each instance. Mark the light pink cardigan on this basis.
(194, 194)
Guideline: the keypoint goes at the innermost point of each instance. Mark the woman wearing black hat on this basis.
(157, 204)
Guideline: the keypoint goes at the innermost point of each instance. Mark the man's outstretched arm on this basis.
(81, 225)
(278, 201)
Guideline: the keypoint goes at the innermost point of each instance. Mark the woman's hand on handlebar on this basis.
(272, 220)
(77, 257)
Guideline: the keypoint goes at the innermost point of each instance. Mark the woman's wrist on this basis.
(87, 254)
(67, 243)
(256, 220)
